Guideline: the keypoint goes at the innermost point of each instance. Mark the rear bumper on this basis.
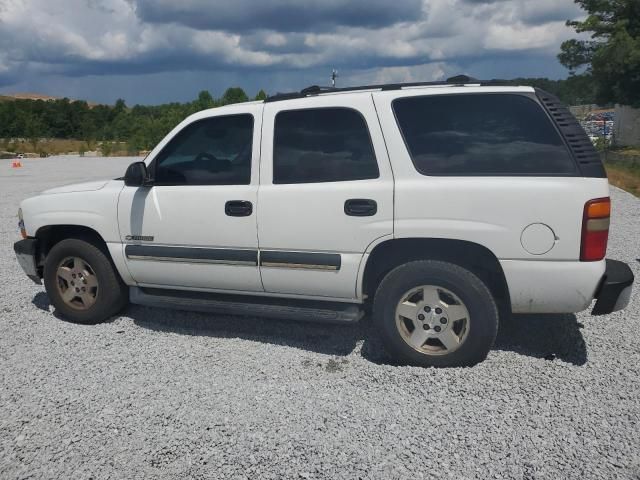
(615, 288)
(538, 286)
(26, 255)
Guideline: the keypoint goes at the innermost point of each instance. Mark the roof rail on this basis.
(315, 89)
(457, 80)
(462, 79)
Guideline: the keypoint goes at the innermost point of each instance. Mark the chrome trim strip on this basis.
(299, 266)
(191, 260)
(224, 256)
(164, 253)
(306, 260)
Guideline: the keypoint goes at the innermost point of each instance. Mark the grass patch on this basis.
(624, 175)
(629, 152)
(61, 146)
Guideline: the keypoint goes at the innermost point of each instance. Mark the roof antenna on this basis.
(334, 75)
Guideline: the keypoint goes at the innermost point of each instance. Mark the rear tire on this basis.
(82, 282)
(435, 314)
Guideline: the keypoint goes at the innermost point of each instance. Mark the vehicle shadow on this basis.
(541, 336)
(548, 336)
(41, 301)
(338, 340)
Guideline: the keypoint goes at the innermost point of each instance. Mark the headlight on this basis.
(23, 231)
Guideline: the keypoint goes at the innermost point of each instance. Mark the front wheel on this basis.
(82, 283)
(434, 313)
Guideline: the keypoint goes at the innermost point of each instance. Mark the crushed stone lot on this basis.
(168, 394)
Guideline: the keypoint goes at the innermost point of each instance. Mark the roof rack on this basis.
(458, 80)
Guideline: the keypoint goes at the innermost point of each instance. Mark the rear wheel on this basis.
(82, 283)
(434, 313)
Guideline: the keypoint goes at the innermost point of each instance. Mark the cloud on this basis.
(416, 73)
(529, 12)
(524, 37)
(278, 39)
(280, 15)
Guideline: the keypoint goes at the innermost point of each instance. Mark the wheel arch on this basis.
(477, 258)
(49, 235)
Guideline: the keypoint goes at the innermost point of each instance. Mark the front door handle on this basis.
(238, 208)
(360, 207)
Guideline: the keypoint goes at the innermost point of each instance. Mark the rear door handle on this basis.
(360, 207)
(238, 208)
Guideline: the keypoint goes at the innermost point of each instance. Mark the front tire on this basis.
(435, 314)
(82, 283)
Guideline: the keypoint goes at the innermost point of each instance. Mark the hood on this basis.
(78, 187)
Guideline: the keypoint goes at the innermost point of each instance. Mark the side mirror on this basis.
(136, 175)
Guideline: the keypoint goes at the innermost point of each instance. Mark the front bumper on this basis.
(26, 251)
(615, 288)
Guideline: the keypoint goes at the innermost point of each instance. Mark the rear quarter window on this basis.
(481, 134)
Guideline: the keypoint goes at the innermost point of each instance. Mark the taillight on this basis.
(595, 229)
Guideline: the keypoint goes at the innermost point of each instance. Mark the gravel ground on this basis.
(167, 394)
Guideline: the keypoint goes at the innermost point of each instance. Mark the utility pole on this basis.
(334, 75)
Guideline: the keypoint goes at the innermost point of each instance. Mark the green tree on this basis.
(612, 54)
(205, 100)
(119, 107)
(261, 95)
(33, 131)
(233, 95)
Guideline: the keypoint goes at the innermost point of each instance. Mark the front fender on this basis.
(93, 209)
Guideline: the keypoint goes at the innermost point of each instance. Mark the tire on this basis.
(101, 293)
(405, 315)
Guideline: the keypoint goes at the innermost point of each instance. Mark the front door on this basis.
(195, 226)
(326, 194)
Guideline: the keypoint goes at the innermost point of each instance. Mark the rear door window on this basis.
(481, 134)
(322, 145)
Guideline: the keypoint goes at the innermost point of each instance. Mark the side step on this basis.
(284, 309)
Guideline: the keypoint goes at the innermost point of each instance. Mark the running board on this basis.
(283, 309)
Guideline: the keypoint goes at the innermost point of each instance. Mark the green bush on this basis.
(106, 148)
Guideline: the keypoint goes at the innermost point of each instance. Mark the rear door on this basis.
(195, 227)
(326, 193)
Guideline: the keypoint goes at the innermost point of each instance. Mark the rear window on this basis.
(481, 134)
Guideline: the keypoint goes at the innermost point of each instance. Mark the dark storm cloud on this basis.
(271, 44)
(279, 15)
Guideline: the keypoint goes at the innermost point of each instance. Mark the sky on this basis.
(157, 51)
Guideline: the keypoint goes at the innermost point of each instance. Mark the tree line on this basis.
(140, 127)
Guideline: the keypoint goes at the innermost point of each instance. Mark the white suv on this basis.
(442, 206)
